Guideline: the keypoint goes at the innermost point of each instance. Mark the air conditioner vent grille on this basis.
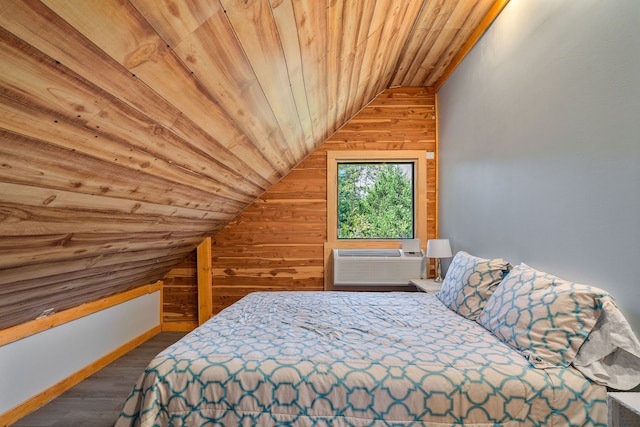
(369, 252)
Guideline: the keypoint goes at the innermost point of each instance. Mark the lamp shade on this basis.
(438, 248)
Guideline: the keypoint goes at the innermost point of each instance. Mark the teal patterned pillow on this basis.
(469, 283)
(542, 316)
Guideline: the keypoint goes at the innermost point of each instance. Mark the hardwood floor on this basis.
(96, 401)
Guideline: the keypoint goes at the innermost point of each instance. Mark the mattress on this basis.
(353, 359)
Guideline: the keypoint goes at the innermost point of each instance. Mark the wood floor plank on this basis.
(97, 401)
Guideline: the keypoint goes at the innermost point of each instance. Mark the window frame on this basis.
(419, 160)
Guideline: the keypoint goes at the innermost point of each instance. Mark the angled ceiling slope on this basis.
(131, 129)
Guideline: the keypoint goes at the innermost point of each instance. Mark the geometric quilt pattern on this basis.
(353, 359)
(469, 283)
(544, 317)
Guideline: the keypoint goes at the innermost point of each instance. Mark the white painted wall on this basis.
(540, 144)
(35, 363)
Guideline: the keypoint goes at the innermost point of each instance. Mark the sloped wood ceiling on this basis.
(131, 129)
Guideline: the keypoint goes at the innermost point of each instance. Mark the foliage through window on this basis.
(375, 200)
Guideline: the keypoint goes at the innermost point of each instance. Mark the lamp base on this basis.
(438, 279)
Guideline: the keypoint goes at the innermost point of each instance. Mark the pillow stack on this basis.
(545, 318)
(542, 316)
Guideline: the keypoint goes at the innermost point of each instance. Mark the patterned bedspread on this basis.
(353, 359)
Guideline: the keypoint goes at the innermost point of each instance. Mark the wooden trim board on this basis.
(178, 327)
(205, 282)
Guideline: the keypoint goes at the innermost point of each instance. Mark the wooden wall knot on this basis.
(65, 240)
(140, 55)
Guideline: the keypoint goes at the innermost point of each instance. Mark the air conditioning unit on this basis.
(366, 267)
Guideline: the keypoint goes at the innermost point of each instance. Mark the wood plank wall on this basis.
(180, 296)
(277, 243)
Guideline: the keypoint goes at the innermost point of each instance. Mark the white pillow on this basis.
(611, 354)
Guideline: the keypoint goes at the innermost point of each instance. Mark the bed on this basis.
(356, 359)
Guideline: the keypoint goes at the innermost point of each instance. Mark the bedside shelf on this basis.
(426, 285)
(624, 409)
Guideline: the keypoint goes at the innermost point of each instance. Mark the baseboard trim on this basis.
(54, 391)
(178, 327)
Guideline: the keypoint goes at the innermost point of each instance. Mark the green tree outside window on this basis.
(375, 201)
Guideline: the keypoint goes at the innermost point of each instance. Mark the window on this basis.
(376, 196)
(375, 200)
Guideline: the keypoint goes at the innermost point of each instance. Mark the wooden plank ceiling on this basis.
(131, 129)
